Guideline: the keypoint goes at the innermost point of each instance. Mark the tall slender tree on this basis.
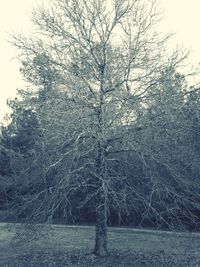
(108, 56)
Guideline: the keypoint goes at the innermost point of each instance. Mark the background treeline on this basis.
(156, 182)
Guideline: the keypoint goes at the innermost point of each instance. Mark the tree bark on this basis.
(101, 231)
(101, 209)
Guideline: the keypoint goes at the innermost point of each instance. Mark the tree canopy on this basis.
(109, 128)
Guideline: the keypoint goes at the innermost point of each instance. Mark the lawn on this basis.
(63, 246)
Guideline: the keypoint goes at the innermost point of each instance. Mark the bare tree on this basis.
(108, 55)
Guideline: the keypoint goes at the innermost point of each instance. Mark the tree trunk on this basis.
(101, 210)
(101, 231)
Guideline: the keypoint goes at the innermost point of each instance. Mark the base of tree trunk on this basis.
(100, 253)
(101, 241)
(101, 247)
(101, 232)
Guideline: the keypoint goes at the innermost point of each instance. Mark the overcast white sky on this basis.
(182, 17)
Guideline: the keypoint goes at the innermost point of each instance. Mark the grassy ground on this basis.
(71, 246)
